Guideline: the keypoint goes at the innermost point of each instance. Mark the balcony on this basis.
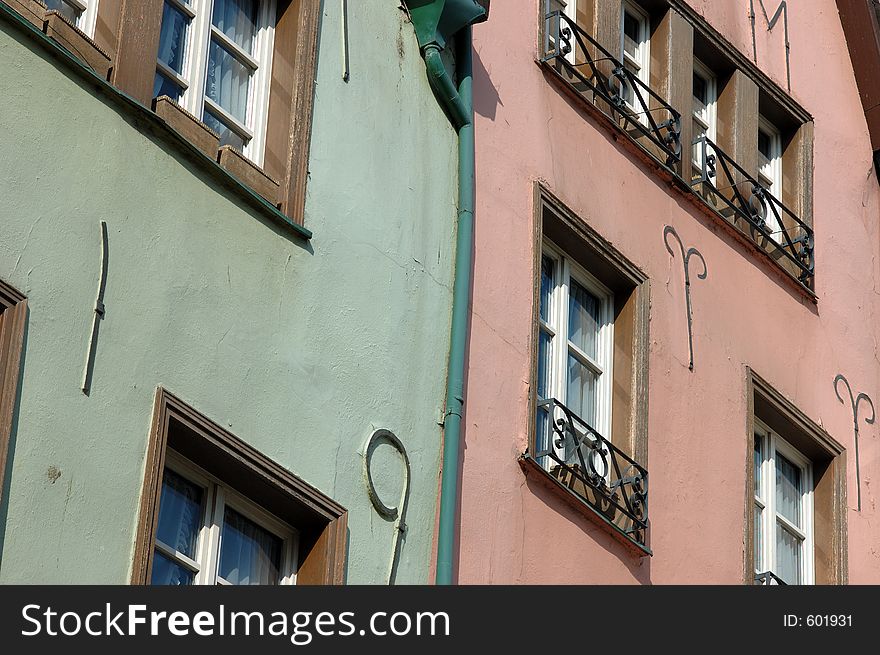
(768, 578)
(591, 73)
(604, 81)
(600, 475)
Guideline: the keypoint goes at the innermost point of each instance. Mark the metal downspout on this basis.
(462, 102)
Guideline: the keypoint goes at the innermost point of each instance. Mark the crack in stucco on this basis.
(27, 240)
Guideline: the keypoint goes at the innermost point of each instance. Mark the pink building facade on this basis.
(675, 284)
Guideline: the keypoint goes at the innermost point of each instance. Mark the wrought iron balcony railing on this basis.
(603, 476)
(768, 578)
(593, 71)
(736, 195)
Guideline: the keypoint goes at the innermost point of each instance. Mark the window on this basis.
(13, 316)
(82, 13)
(795, 528)
(705, 100)
(216, 511)
(783, 540)
(635, 50)
(576, 341)
(215, 60)
(770, 170)
(209, 534)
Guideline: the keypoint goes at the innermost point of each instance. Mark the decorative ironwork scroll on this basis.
(686, 259)
(603, 476)
(854, 403)
(629, 102)
(768, 578)
(99, 314)
(781, 10)
(398, 513)
(735, 194)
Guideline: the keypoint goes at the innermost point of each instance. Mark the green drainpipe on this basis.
(435, 22)
(461, 299)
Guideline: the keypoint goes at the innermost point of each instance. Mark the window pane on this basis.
(167, 572)
(764, 143)
(788, 490)
(70, 12)
(543, 363)
(581, 398)
(788, 556)
(542, 434)
(228, 136)
(227, 82)
(172, 38)
(237, 19)
(249, 555)
(162, 86)
(583, 319)
(631, 34)
(701, 90)
(759, 539)
(547, 265)
(180, 513)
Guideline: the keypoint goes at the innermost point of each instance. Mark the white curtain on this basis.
(172, 38)
(237, 19)
(180, 513)
(249, 555)
(227, 82)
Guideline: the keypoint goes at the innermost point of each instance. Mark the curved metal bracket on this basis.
(100, 311)
(397, 513)
(686, 259)
(854, 404)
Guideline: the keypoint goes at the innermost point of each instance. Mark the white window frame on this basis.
(765, 500)
(707, 114)
(642, 59)
(195, 70)
(216, 497)
(770, 172)
(565, 269)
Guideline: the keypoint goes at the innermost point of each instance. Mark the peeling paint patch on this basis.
(53, 473)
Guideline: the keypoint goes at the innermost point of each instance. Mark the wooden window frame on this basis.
(280, 173)
(13, 318)
(768, 406)
(320, 521)
(87, 17)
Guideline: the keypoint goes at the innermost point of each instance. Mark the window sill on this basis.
(534, 471)
(668, 175)
(145, 119)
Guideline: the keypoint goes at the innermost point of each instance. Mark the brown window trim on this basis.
(13, 317)
(282, 179)
(321, 521)
(629, 429)
(67, 35)
(829, 492)
(154, 126)
(675, 26)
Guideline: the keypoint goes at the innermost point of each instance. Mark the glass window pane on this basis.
(788, 556)
(228, 136)
(237, 19)
(168, 572)
(180, 513)
(249, 555)
(172, 38)
(543, 363)
(227, 82)
(759, 539)
(67, 10)
(547, 265)
(581, 397)
(631, 34)
(764, 143)
(701, 89)
(162, 86)
(583, 319)
(788, 490)
(542, 433)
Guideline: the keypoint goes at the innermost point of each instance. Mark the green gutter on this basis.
(444, 87)
(461, 299)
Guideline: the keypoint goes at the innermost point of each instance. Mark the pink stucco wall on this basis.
(514, 532)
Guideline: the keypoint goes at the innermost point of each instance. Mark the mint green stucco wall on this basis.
(299, 348)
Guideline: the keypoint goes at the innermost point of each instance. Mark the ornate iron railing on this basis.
(647, 117)
(603, 476)
(769, 578)
(735, 194)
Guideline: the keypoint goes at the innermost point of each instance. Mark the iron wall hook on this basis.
(854, 405)
(686, 260)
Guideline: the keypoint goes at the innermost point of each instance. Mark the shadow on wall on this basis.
(486, 98)
(639, 567)
(10, 452)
